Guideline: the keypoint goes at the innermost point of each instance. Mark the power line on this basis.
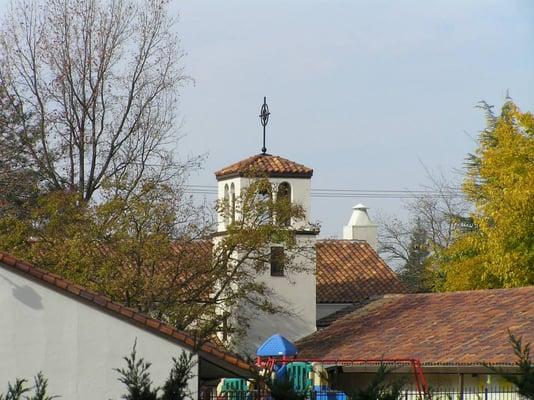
(214, 188)
(349, 193)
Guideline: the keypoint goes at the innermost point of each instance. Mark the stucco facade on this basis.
(74, 344)
(77, 338)
(295, 292)
(326, 309)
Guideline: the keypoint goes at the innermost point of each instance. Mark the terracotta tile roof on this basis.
(273, 166)
(119, 310)
(349, 271)
(456, 328)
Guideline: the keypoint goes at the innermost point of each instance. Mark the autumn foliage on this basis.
(496, 249)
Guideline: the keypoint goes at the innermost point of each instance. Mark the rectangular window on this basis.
(277, 261)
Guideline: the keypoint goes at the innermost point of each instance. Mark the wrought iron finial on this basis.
(508, 95)
(264, 118)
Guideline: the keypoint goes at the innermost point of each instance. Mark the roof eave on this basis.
(117, 310)
(243, 174)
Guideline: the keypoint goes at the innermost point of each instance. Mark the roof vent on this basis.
(360, 227)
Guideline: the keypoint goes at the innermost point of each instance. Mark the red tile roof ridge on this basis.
(272, 165)
(451, 293)
(459, 292)
(341, 240)
(117, 309)
(446, 328)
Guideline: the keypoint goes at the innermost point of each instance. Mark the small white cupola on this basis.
(360, 227)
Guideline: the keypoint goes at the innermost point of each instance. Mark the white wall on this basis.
(325, 309)
(296, 293)
(75, 345)
(300, 193)
(360, 227)
(238, 186)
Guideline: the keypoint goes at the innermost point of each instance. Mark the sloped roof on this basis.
(118, 310)
(349, 271)
(456, 328)
(272, 166)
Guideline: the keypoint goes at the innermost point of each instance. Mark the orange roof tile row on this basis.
(119, 310)
(349, 271)
(456, 328)
(265, 164)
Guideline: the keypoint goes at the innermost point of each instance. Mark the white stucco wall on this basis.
(300, 193)
(296, 292)
(75, 345)
(325, 309)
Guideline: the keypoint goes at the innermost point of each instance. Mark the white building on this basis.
(341, 272)
(76, 338)
(296, 293)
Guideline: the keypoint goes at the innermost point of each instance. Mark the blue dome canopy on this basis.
(276, 345)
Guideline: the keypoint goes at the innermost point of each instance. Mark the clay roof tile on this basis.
(455, 328)
(265, 164)
(349, 271)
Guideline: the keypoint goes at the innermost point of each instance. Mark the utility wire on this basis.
(348, 193)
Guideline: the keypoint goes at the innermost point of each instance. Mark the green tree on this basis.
(19, 390)
(435, 217)
(136, 377)
(176, 386)
(523, 379)
(151, 250)
(380, 387)
(496, 248)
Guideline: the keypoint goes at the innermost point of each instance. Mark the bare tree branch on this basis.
(98, 82)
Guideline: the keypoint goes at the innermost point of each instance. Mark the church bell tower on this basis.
(294, 291)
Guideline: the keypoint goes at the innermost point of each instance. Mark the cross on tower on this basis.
(264, 118)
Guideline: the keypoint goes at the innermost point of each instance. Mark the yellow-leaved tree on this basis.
(497, 248)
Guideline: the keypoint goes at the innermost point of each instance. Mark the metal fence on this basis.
(448, 393)
(467, 393)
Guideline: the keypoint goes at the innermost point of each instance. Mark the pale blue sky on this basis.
(358, 90)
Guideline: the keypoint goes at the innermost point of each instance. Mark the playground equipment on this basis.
(277, 356)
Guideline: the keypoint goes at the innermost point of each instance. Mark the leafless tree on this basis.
(96, 84)
(434, 218)
(443, 211)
